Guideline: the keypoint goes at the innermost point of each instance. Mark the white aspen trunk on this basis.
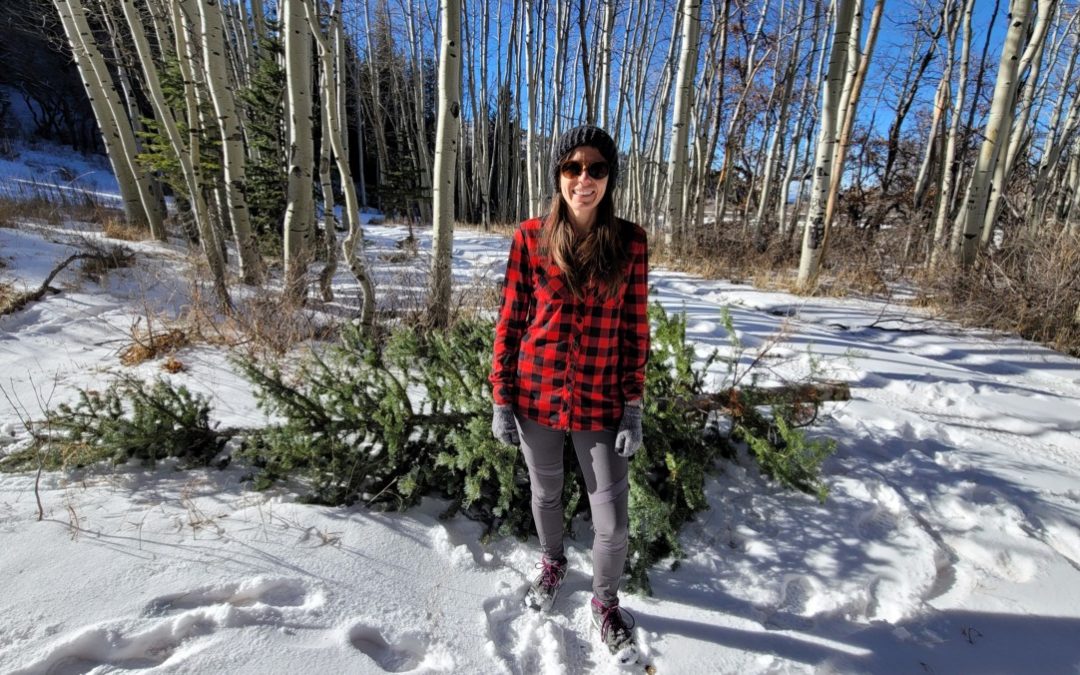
(780, 131)
(446, 151)
(352, 246)
(156, 204)
(165, 119)
(482, 171)
(116, 131)
(423, 157)
(849, 104)
(799, 163)
(300, 207)
(1031, 63)
(949, 165)
(972, 215)
(326, 275)
(160, 19)
(234, 159)
(738, 129)
(532, 138)
(361, 186)
(680, 124)
(258, 22)
(935, 141)
(815, 227)
(378, 127)
(604, 85)
(342, 79)
(1056, 136)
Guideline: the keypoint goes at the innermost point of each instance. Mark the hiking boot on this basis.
(615, 633)
(545, 588)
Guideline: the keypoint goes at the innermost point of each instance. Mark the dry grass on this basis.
(116, 227)
(148, 344)
(1030, 286)
(39, 204)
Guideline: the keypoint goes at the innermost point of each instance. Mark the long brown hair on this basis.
(600, 257)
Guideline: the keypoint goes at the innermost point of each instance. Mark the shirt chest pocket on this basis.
(614, 302)
(550, 285)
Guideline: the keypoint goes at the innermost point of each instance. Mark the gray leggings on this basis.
(605, 479)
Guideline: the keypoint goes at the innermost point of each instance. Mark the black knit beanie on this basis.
(591, 136)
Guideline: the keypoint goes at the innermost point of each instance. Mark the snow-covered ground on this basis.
(950, 542)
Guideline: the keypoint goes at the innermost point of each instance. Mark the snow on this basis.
(950, 542)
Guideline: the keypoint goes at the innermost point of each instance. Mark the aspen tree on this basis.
(738, 126)
(121, 58)
(165, 118)
(116, 133)
(234, 158)
(804, 127)
(352, 246)
(969, 222)
(680, 124)
(935, 141)
(1029, 68)
(780, 130)
(949, 165)
(1058, 137)
(300, 207)
(446, 150)
(326, 275)
(824, 171)
(604, 84)
(849, 105)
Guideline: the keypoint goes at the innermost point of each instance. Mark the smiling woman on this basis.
(571, 345)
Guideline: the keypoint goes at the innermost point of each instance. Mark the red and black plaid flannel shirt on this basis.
(567, 363)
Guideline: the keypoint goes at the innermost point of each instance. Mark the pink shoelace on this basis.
(550, 572)
(611, 617)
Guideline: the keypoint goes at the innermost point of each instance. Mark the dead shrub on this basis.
(1029, 286)
(148, 344)
(173, 365)
(104, 259)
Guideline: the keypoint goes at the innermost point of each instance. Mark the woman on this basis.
(571, 344)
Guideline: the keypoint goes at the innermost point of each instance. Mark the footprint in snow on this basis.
(526, 641)
(171, 620)
(91, 648)
(278, 593)
(405, 652)
(795, 595)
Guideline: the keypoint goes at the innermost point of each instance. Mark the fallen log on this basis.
(802, 393)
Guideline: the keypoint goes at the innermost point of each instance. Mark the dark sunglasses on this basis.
(572, 169)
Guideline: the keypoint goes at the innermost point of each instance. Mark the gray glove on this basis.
(628, 440)
(503, 425)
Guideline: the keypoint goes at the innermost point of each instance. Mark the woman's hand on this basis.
(629, 439)
(503, 425)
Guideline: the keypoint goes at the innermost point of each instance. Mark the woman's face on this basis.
(582, 193)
